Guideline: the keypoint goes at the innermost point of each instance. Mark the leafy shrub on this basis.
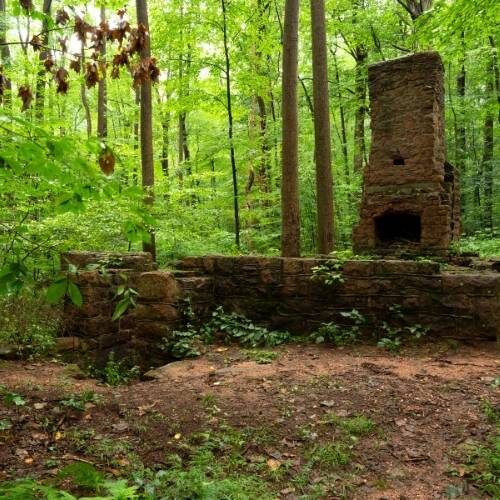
(28, 324)
(235, 327)
(341, 335)
(329, 273)
(115, 372)
(182, 344)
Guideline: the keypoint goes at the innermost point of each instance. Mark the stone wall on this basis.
(278, 293)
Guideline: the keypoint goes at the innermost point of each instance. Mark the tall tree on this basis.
(230, 130)
(44, 54)
(102, 104)
(5, 58)
(146, 123)
(488, 143)
(322, 149)
(290, 210)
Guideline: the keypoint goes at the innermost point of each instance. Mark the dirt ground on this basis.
(425, 401)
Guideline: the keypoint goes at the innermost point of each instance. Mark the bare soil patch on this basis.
(425, 401)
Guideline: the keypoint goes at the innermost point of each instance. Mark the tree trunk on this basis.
(460, 132)
(230, 127)
(488, 144)
(102, 116)
(322, 145)
(290, 209)
(4, 54)
(146, 126)
(343, 129)
(165, 126)
(359, 117)
(44, 53)
(85, 101)
(496, 71)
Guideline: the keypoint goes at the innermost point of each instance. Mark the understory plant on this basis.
(234, 327)
(339, 335)
(28, 325)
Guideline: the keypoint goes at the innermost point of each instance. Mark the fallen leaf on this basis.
(39, 406)
(178, 436)
(273, 464)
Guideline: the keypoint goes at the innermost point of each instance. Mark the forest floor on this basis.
(308, 421)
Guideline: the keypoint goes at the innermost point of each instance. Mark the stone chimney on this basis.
(410, 197)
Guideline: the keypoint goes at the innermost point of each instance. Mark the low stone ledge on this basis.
(138, 261)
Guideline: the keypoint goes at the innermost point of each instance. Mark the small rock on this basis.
(8, 351)
(67, 344)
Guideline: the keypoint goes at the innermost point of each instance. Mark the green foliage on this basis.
(484, 242)
(78, 401)
(181, 344)
(481, 464)
(28, 323)
(259, 356)
(233, 327)
(11, 398)
(354, 426)
(81, 475)
(202, 477)
(339, 335)
(115, 372)
(127, 299)
(330, 456)
(491, 413)
(329, 273)
(392, 336)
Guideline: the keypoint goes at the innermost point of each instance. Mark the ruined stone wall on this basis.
(278, 293)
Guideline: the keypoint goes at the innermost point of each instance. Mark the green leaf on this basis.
(57, 290)
(121, 308)
(74, 294)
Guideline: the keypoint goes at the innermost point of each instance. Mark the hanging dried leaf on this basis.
(100, 35)
(26, 96)
(36, 42)
(107, 161)
(75, 65)
(121, 59)
(115, 72)
(154, 71)
(63, 43)
(48, 63)
(82, 28)
(138, 39)
(146, 70)
(120, 32)
(26, 4)
(91, 74)
(61, 78)
(62, 17)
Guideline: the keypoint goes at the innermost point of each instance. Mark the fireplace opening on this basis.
(398, 227)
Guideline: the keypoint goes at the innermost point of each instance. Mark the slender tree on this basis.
(146, 124)
(230, 131)
(102, 104)
(290, 210)
(5, 59)
(322, 149)
(488, 144)
(44, 53)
